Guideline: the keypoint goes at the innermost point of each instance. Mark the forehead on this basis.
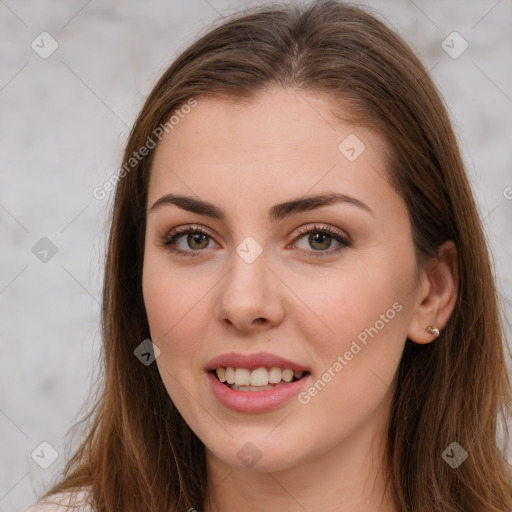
(282, 144)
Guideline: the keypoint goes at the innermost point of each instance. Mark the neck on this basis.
(351, 477)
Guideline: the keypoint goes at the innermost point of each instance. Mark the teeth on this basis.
(230, 375)
(274, 376)
(287, 375)
(260, 377)
(221, 373)
(242, 377)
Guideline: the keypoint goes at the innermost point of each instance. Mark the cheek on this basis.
(351, 304)
(362, 318)
(174, 307)
(357, 334)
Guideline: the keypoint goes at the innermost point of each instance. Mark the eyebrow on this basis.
(275, 213)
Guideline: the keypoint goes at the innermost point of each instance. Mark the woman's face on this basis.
(267, 271)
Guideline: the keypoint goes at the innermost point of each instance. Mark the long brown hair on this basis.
(138, 453)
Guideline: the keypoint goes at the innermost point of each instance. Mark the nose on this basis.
(250, 296)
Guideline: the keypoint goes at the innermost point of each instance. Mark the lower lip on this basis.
(255, 401)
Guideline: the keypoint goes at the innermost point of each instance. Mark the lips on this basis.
(253, 361)
(255, 401)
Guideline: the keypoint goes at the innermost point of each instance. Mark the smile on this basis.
(258, 379)
(258, 390)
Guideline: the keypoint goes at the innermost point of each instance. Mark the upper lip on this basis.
(253, 361)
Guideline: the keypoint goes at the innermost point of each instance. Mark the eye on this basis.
(195, 239)
(320, 238)
(191, 240)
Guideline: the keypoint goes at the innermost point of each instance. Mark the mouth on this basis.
(259, 389)
(258, 379)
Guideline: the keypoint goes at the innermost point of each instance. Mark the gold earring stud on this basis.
(432, 330)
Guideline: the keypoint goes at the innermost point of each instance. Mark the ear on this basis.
(437, 294)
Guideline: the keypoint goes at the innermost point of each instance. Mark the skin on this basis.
(326, 454)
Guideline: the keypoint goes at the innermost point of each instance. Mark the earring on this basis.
(432, 330)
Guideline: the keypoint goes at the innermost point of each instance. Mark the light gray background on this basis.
(63, 123)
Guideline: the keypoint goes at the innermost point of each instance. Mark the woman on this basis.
(299, 311)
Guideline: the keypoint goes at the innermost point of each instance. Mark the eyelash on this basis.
(169, 240)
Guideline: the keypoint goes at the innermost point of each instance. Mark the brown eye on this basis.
(189, 241)
(320, 239)
(199, 239)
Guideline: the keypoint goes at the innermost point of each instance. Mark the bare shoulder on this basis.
(76, 501)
